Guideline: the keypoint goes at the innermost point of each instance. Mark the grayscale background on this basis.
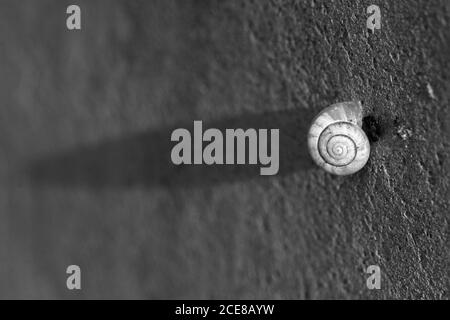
(85, 171)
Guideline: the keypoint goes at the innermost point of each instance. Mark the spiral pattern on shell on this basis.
(336, 140)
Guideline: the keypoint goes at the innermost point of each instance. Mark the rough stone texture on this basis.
(85, 175)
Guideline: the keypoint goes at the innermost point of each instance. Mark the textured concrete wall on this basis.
(86, 178)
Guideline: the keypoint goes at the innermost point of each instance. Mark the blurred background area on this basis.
(85, 171)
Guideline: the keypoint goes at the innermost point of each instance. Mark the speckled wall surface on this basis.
(85, 171)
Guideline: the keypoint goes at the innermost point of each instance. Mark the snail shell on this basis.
(336, 140)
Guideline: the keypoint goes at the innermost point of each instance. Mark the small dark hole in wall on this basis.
(372, 128)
